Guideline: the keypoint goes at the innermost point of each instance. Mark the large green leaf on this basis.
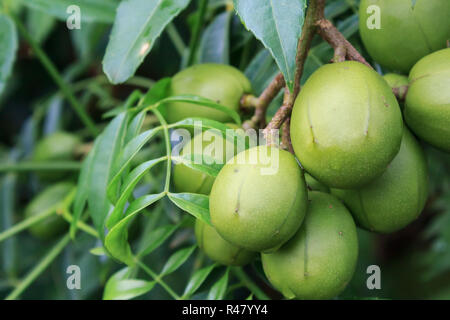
(261, 71)
(91, 10)
(8, 48)
(215, 44)
(137, 26)
(278, 25)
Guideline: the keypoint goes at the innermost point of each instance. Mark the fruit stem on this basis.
(245, 279)
(40, 166)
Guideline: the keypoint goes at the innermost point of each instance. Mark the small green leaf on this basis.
(205, 103)
(215, 44)
(8, 49)
(195, 204)
(207, 164)
(137, 26)
(219, 289)
(176, 260)
(116, 240)
(119, 287)
(197, 280)
(99, 251)
(157, 92)
(39, 25)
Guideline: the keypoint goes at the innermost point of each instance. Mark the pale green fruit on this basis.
(427, 107)
(346, 125)
(194, 181)
(218, 249)
(58, 146)
(315, 185)
(45, 201)
(319, 261)
(396, 80)
(220, 83)
(395, 199)
(259, 202)
(407, 31)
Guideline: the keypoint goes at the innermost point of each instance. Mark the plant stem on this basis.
(176, 39)
(168, 149)
(203, 4)
(40, 166)
(42, 265)
(80, 224)
(24, 224)
(157, 278)
(245, 279)
(53, 72)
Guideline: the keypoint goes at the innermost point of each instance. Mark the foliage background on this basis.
(415, 262)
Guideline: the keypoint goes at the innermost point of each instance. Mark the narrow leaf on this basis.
(195, 204)
(219, 289)
(156, 238)
(176, 260)
(8, 49)
(119, 287)
(197, 280)
(215, 44)
(137, 26)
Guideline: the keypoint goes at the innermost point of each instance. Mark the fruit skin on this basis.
(218, 249)
(58, 146)
(194, 181)
(407, 34)
(346, 125)
(51, 196)
(427, 107)
(315, 185)
(319, 261)
(395, 80)
(221, 83)
(395, 199)
(256, 211)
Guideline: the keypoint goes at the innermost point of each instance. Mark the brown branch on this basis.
(262, 102)
(280, 116)
(286, 137)
(336, 39)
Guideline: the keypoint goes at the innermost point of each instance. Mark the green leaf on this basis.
(261, 70)
(109, 145)
(219, 289)
(98, 251)
(137, 26)
(125, 157)
(278, 25)
(156, 238)
(206, 164)
(116, 240)
(157, 92)
(127, 188)
(205, 103)
(177, 259)
(8, 49)
(119, 287)
(91, 10)
(215, 44)
(39, 25)
(197, 280)
(195, 204)
(87, 39)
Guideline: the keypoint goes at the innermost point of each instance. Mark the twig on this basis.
(337, 40)
(286, 137)
(262, 102)
(280, 116)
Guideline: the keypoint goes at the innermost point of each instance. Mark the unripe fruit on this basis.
(407, 32)
(190, 180)
(396, 80)
(346, 125)
(395, 199)
(218, 249)
(43, 202)
(220, 83)
(259, 199)
(58, 146)
(427, 107)
(319, 261)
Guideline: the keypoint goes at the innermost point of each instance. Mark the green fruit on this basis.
(427, 107)
(220, 83)
(346, 125)
(315, 185)
(258, 202)
(190, 180)
(407, 31)
(59, 146)
(44, 202)
(396, 80)
(395, 199)
(218, 249)
(319, 261)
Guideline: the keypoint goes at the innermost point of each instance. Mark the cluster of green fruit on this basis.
(361, 164)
